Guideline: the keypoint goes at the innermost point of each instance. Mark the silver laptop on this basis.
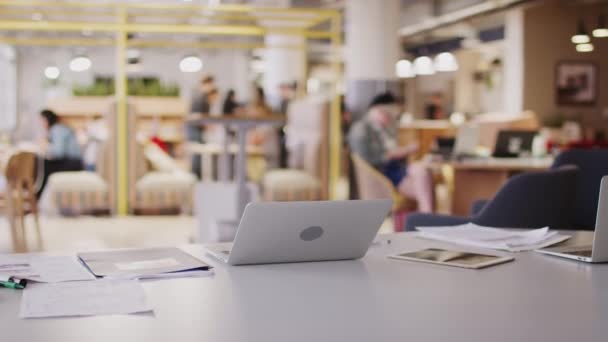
(280, 232)
(598, 252)
(466, 142)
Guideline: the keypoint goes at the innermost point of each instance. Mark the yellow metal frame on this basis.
(233, 20)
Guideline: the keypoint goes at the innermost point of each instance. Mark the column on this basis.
(372, 49)
(513, 67)
(283, 59)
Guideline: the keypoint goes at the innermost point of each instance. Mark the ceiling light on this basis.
(601, 31)
(423, 65)
(52, 72)
(404, 69)
(446, 61)
(581, 36)
(588, 47)
(190, 64)
(80, 63)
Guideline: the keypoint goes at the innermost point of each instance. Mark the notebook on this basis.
(124, 263)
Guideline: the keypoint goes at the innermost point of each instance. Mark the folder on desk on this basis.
(134, 263)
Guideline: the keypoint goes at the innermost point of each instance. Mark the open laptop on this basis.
(513, 143)
(598, 252)
(281, 232)
(462, 146)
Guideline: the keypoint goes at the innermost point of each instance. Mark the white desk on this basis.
(535, 298)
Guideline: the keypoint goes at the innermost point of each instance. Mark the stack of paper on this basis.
(83, 298)
(474, 235)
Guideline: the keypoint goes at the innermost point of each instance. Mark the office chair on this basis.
(527, 200)
(592, 165)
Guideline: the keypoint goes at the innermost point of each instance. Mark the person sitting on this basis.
(373, 138)
(61, 149)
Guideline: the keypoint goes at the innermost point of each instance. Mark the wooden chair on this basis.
(374, 185)
(20, 196)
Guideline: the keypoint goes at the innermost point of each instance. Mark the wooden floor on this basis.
(92, 233)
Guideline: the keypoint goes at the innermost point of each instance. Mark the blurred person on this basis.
(287, 94)
(96, 134)
(60, 148)
(199, 105)
(200, 102)
(215, 133)
(373, 138)
(230, 105)
(434, 109)
(264, 136)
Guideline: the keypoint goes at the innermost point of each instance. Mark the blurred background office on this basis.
(157, 131)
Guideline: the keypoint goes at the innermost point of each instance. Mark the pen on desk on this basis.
(11, 285)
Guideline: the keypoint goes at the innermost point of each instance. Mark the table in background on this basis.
(476, 179)
(241, 124)
(535, 298)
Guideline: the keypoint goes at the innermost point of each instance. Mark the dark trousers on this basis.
(51, 166)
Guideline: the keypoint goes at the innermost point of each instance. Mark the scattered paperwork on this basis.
(474, 235)
(83, 298)
(43, 268)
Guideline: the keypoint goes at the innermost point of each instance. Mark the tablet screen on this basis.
(454, 258)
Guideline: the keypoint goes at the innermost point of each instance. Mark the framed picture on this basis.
(576, 83)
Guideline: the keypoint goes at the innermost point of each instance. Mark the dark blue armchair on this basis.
(527, 200)
(592, 165)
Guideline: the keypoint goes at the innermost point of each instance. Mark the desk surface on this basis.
(517, 164)
(534, 298)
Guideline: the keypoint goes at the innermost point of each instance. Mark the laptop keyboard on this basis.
(585, 253)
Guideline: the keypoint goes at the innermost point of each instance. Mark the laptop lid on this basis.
(513, 143)
(279, 232)
(599, 252)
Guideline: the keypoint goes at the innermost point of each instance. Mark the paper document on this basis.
(41, 268)
(83, 298)
(474, 235)
(134, 263)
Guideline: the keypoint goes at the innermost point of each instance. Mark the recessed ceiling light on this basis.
(52, 72)
(80, 63)
(190, 64)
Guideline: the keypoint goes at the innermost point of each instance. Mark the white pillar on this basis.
(371, 51)
(513, 69)
(282, 65)
(372, 39)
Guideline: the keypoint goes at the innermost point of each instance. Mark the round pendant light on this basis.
(446, 61)
(404, 69)
(423, 65)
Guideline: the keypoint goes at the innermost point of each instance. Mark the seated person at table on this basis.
(373, 138)
(60, 148)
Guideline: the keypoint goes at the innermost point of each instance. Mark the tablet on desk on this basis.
(453, 258)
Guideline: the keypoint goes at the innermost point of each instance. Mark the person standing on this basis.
(230, 105)
(60, 148)
(199, 105)
(373, 138)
